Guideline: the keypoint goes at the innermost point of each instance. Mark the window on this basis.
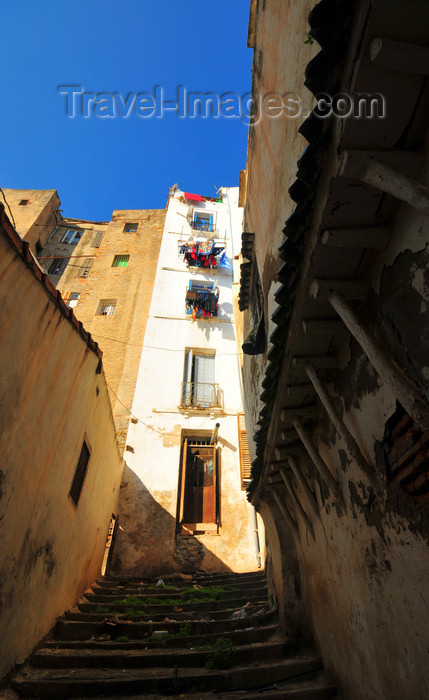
(96, 241)
(201, 300)
(72, 237)
(70, 298)
(80, 473)
(198, 486)
(243, 444)
(57, 266)
(106, 307)
(198, 387)
(23, 202)
(131, 227)
(203, 221)
(85, 267)
(120, 261)
(39, 247)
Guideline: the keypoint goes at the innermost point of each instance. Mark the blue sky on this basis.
(96, 164)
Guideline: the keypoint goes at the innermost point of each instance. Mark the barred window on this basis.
(131, 227)
(106, 307)
(120, 261)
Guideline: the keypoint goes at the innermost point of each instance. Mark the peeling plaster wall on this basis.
(274, 146)
(145, 544)
(50, 398)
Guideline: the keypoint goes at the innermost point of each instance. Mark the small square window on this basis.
(106, 307)
(131, 228)
(120, 261)
(72, 237)
(23, 202)
(80, 473)
(70, 298)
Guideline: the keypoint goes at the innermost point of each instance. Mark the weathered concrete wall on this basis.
(36, 220)
(274, 146)
(148, 504)
(51, 397)
(121, 335)
(357, 578)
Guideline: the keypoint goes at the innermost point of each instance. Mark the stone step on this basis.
(157, 613)
(170, 592)
(70, 629)
(203, 580)
(233, 603)
(322, 687)
(33, 682)
(145, 658)
(245, 636)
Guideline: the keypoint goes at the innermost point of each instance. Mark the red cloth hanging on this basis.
(194, 197)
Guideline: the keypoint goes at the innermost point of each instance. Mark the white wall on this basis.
(146, 540)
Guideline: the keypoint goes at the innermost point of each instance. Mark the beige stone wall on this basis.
(120, 336)
(51, 397)
(36, 220)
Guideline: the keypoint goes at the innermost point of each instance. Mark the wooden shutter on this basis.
(183, 478)
(243, 442)
(85, 268)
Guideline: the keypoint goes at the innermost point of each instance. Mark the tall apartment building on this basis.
(105, 272)
(182, 504)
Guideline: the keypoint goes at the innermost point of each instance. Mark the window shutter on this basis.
(96, 241)
(243, 442)
(85, 268)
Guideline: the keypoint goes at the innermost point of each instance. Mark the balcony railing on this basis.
(201, 395)
(205, 226)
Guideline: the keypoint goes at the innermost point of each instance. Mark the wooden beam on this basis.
(323, 327)
(350, 289)
(296, 500)
(376, 237)
(287, 516)
(288, 435)
(365, 167)
(322, 361)
(402, 388)
(400, 56)
(300, 390)
(303, 482)
(282, 452)
(343, 431)
(288, 413)
(318, 462)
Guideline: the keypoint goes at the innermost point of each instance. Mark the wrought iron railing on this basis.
(203, 226)
(201, 395)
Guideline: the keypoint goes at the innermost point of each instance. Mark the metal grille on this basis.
(131, 228)
(80, 473)
(120, 261)
(201, 395)
(203, 226)
(106, 307)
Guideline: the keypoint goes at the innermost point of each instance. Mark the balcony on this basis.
(200, 395)
(204, 226)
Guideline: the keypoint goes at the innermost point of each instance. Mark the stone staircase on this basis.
(195, 637)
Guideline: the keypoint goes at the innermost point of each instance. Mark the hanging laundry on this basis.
(194, 197)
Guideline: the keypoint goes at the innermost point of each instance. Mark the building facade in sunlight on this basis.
(183, 505)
